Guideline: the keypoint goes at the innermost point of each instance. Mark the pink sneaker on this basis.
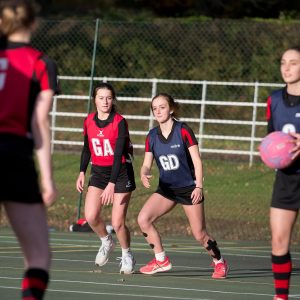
(277, 298)
(155, 266)
(220, 271)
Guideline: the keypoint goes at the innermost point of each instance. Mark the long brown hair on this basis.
(174, 106)
(107, 86)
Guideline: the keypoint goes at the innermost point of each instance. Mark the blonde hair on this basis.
(15, 15)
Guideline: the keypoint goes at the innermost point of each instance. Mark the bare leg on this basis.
(196, 217)
(282, 222)
(29, 221)
(119, 211)
(92, 211)
(155, 207)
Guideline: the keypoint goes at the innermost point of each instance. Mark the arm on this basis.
(197, 162)
(108, 193)
(84, 161)
(41, 136)
(145, 172)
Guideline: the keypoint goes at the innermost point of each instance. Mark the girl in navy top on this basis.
(283, 114)
(175, 149)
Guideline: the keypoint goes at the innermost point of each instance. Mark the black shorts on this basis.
(178, 195)
(18, 179)
(125, 182)
(286, 191)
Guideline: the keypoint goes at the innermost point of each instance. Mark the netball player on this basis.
(107, 144)
(28, 81)
(174, 147)
(283, 110)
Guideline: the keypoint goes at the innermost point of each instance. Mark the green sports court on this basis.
(74, 275)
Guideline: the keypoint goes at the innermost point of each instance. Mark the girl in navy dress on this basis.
(175, 149)
(283, 114)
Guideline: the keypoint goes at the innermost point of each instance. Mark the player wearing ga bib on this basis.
(172, 156)
(107, 144)
(102, 139)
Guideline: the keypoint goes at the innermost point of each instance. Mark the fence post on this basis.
(153, 93)
(253, 127)
(93, 64)
(89, 100)
(53, 123)
(202, 112)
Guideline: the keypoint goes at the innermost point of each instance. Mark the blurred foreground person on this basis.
(28, 82)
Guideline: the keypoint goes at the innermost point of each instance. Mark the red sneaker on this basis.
(277, 298)
(221, 270)
(155, 266)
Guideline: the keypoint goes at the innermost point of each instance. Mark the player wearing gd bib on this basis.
(174, 147)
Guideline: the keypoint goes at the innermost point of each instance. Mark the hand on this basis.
(296, 141)
(80, 182)
(146, 180)
(197, 195)
(107, 197)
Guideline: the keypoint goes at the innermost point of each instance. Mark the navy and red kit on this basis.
(176, 169)
(283, 114)
(108, 146)
(24, 72)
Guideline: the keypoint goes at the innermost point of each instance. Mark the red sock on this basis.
(34, 284)
(282, 269)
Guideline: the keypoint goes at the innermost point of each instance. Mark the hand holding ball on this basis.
(275, 150)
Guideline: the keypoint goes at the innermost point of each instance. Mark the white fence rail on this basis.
(203, 102)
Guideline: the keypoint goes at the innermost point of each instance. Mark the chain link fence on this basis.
(216, 50)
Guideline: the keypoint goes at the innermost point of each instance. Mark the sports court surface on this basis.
(74, 275)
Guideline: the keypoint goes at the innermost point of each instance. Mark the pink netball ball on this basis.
(275, 150)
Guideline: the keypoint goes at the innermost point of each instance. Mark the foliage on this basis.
(204, 50)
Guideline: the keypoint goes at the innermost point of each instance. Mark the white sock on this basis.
(125, 251)
(106, 239)
(160, 256)
(221, 260)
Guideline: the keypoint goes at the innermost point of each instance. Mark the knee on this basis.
(280, 242)
(117, 225)
(143, 220)
(92, 219)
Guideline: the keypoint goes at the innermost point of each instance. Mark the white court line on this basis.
(115, 295)
(150, 287)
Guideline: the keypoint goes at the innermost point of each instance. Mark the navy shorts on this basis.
(178, 195)
(19, 179)
(286, 191)
(100, 177)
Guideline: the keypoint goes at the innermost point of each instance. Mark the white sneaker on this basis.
(104, 252)
(127, 264)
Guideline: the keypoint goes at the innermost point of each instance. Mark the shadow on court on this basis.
(74, 275)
